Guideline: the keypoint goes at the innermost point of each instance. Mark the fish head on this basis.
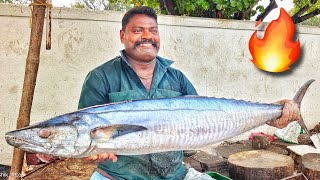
(62, 136)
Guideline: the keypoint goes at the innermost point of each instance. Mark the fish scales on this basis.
(146, 126)
(207, 124)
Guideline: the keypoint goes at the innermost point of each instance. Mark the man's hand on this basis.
(101, 158)
(290, 113)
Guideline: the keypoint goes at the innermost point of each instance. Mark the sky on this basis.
(286, 4)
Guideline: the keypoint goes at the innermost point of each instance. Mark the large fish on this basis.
(146, 126)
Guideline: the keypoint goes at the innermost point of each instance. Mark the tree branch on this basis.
(305, 17)
(88, 4)
(249, 10)
(162, 8)
(169, 6)
(298, 18)
(273, 4)
(105, 5)
(301, 11)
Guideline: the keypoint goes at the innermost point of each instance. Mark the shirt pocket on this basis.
(166, 93)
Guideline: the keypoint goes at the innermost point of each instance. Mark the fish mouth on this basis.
(25, 144)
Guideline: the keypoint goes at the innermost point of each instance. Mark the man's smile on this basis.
(146, 44)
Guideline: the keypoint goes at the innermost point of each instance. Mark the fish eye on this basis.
(44, 133)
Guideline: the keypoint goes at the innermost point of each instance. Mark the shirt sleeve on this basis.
(94, 90)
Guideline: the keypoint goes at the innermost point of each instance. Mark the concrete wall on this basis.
(212, 53)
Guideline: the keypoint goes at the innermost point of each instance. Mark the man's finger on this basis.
(103, 157)
(91, 158)
(288, 111)
(296, 111)
(285, 116)
(113, 157)
(292, 113)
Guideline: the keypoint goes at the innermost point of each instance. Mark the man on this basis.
(140, 74)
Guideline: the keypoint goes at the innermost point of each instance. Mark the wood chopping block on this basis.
(260, 164)
(311, 165)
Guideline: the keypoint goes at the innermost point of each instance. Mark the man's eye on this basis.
(137, 30)
(154, 31)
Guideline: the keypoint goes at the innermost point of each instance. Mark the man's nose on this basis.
(146, 34)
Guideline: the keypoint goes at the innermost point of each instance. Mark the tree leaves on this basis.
(227, 9)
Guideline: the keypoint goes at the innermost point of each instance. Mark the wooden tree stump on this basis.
(259, 164)
(311, 165)
(260, 142)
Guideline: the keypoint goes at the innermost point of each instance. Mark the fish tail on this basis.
(298, 98)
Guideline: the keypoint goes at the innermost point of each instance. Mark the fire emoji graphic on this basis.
(276, 51)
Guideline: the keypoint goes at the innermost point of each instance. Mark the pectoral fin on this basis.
(113, 131)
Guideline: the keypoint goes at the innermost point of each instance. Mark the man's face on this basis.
(141, 38)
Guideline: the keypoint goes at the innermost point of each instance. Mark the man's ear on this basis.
(122, 36)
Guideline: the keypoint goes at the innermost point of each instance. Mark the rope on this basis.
(38, 3)
(48, 26)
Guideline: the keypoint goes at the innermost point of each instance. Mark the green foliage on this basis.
(151, 3)
(298, 4)
(79, 5)
(14, 1)
(6, 1)
(227, 9)
(314, 21)
(115, 5)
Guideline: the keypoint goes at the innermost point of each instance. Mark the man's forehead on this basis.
(141, 20)
(143, 26)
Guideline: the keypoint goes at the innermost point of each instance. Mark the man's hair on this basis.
(138, 10)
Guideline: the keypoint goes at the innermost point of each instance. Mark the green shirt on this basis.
(116, 81)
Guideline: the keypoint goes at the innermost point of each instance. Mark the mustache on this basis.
(147, 41)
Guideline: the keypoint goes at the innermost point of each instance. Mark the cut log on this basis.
(211, 163)
(203, 162)
(225, 150)
(190, 162)
(304, 139)
(311, 165)
(261, 164)
(260, 142)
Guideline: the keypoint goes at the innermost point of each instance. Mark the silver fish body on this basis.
(145, 126)
(180, 123)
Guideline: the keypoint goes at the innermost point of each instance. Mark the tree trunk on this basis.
(32, 64)
(272, 5)
(169, 5)
(305, 17)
